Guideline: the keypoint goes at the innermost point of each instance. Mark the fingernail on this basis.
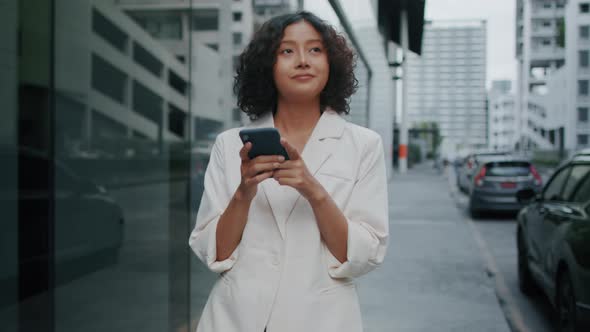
(281, 158)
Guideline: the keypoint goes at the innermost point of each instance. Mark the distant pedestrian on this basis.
(288, 237)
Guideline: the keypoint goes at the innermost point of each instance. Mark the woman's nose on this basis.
(302, 60)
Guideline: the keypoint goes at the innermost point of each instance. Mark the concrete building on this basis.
(540, 53)
(501, 117)
(225, 27)
(446, 85)
(554, 74)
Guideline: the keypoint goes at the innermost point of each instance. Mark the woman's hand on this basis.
(295, 174)
(255, 171)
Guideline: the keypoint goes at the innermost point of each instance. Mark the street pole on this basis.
(403, 132)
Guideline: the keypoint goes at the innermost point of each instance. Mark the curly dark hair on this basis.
(254, 83)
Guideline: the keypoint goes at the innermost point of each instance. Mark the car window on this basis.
(552, 191)
(578, 173)
(508, 168)
(581, 192)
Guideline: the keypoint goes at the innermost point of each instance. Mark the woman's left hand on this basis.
(295, 174)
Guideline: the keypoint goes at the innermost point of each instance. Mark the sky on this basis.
(500, 16)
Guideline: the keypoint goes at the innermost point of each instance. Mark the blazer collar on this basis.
(318, 149)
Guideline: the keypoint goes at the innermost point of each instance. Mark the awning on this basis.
(389, 19)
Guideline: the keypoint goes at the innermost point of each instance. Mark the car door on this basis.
(560, 214)
(537, 213)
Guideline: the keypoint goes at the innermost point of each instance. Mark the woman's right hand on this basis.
(255, 171)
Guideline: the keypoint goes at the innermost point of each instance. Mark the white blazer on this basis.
(282, 276)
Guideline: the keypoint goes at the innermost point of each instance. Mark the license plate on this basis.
(508, 185)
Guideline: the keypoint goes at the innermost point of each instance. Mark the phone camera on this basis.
(246, 137)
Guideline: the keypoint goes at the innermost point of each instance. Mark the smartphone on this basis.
(265, 142)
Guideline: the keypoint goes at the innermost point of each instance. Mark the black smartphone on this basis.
(265, 142)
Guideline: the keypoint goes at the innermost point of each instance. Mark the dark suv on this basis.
(553, 240)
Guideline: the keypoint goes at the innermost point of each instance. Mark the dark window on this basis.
(177, 82)
(205, 19)
(584, 7)
(584, 56)
(547, 5)
(584, 31)
(237, 37)
(508, 168)
(109, 31)
(237, 16)
(213, 46)
(145, 59)
(108, 79)
(552, 191)
(578, 173)
(582, 139)
(581, 192)
(176, 120)
(582, 87)
(147, 103)
(160, 25)
(181, 58)
(583, 114)
(105, 127)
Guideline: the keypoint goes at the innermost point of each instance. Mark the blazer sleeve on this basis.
(214, 201)
(367, 214)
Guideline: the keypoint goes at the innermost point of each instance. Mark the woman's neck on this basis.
(296, 118)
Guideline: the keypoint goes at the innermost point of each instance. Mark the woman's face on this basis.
(301, 70)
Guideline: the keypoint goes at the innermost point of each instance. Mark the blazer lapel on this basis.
(282, 199)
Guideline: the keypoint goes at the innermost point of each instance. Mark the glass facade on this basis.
(110, 109)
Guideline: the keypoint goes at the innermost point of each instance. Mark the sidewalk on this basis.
(434, 277)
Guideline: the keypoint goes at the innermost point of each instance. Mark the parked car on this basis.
(466, 168)
(496, 181)
(89, 224)
(553, 241)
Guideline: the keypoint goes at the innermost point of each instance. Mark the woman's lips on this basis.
(303, 77)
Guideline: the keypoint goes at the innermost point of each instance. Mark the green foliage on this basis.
(561, 32)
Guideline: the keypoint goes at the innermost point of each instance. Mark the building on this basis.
(184, 27)
(501, 117)
(540, 52)
(446, 85)
(553, 49)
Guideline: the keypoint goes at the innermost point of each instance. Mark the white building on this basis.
(501, 117)
(539, 54)
(446, 85)
(556, 92)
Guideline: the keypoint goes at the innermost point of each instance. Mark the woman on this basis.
(288, 236)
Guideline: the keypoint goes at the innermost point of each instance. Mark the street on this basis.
(445, 271)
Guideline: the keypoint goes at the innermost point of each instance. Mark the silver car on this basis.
(496, 181)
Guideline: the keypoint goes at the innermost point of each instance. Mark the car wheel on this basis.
(565, 304)
(526, 283)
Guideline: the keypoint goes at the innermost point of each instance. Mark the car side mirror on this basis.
(526, 196)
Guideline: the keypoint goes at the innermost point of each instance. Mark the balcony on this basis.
(541, 54)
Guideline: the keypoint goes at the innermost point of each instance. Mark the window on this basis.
(213, 46)
(582, 139)
(584, 8)
(552, 191)
(237, 38)
(546, 42)
(585, 32)
(237, 17)
(583, 58)
(109, 31)
(205, 19)
(581, 192)
(583, 114)
(108, 79)
(578, 173)
(147, 60)
(164, 25)
(582, 87)
(547, 5)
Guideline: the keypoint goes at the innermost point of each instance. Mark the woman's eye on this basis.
(286, 51)
(316, 49)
